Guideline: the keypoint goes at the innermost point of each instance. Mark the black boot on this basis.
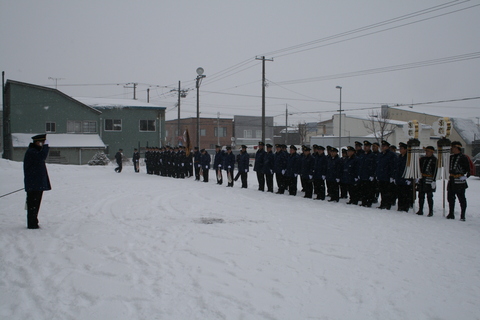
(421, 202)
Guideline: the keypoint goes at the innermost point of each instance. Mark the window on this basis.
(258, 133)
(50, 127)
(147, 125)
(89, 127)
(76, 126)
(113, 124)
(220, 132)
(247, 133)
(203, 132)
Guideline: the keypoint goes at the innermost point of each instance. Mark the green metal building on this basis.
(116, 123)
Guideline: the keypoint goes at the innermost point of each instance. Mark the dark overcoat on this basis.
(35, 170)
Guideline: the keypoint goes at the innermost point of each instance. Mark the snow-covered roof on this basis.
(116, 103)
(467, 129)
(64, 140)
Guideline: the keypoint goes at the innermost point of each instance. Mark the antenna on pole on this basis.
(56, 80)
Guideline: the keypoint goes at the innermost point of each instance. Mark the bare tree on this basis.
(302, 132)
(379, 124)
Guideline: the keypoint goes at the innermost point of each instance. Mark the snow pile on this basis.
(134, 246)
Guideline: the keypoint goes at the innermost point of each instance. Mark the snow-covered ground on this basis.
(134, 246)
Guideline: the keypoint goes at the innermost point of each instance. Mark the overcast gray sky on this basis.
(94, 45)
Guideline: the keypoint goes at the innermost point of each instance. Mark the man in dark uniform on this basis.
(385, 175)
(343, 186)
(148, 160)
(243, 165)
(118, 158)
(427, 185)
(457, 182)
(403, 187)
(350, 175)
(258, 166)
(205, 164)
(334, 171)
(319, 172)
(306, 172)
(268, 166)
(279, 168)
(366, 170)
(218, 162)
(196, 163)
(293, 168)
(229, 165)
(36, 177)
(136, 160)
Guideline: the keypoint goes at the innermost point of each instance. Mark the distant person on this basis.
(136, 160)
(118, 157)
(205, 164)
(36, 177)
(243, 165)
(426, 185)
(457, 182)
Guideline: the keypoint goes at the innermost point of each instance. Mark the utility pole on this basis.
(264, 84)
(181, 94)
(148, 97)
(56, 80)
(218, 128)
(134, 89)
(286, 123)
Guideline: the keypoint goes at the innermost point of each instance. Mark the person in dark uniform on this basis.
(229, 165)
(35, 177)
(148, 160)
(343, 187)
(196, 163)
(293, 168)
(319, 172)
(457, 182)
(366, 170)
(427, 185)
(334, 172)
(243, 165)
(403, 187)
(280, 164)
(118, 158)
(136, 160)
(350, 175)
(258, 166)
(189, 163)
(385, 175)
(268, 166)
(205, 164)
(218, 163)
(306, 172)
(376, 153)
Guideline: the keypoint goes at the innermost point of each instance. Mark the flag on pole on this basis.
(188, 144)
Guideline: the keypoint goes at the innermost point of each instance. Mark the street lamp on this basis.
(200, 76)
(340, 122)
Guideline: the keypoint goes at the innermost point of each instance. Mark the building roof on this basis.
(24, 84)
(107, 103)
(467, 129)
(66, 140)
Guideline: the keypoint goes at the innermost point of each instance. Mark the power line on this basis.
(372, 26)
(412, 65)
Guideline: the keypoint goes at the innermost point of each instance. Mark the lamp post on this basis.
(200, 76)
(340, 122)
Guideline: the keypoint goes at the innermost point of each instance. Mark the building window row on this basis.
(85, 126)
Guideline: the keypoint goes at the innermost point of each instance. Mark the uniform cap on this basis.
(39, 137)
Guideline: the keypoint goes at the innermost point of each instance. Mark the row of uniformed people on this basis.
(168, 162)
